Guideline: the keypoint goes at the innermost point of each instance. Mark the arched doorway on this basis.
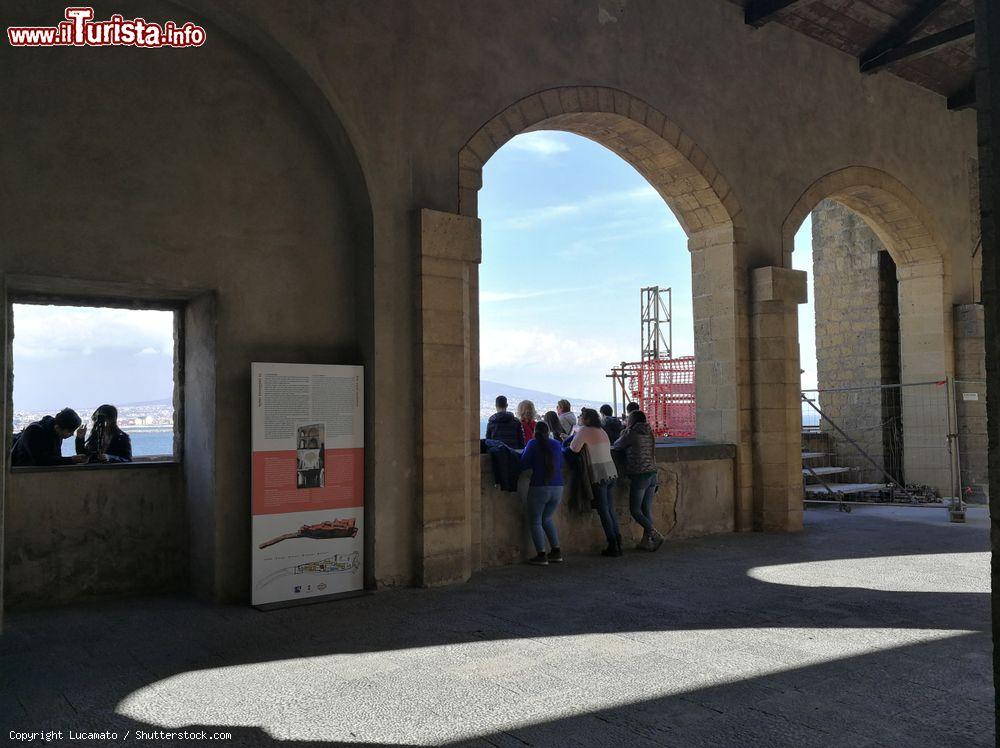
(913, 343)
(712, 219)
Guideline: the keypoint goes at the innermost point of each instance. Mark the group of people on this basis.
(593, 435)
(39, 444)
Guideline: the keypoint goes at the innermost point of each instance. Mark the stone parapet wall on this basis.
(696, 497)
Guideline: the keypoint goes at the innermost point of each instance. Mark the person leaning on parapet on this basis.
(528, 417)
(611, 424)
(504, 427)
(602, 475)
(107, 442)
(640, 453)
(543, 456)
(551, 418)
(566, 418)
(40, 443)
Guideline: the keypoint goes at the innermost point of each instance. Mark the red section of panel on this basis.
(275, 487)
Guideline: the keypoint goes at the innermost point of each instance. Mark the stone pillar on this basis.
(970, 399)
(777, 410)
(722, 354)
(926, 347)
(450, 251)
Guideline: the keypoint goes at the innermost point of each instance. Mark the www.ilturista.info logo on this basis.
(81, 30)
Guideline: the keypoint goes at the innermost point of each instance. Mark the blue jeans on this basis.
(542, 503)
(606, 510)
(640, 499)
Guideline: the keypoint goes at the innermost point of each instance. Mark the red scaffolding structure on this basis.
(662, 385)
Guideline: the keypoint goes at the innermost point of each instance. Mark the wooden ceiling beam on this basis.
(925, 45)
(903, 31)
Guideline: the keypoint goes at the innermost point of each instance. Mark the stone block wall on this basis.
(970, 399)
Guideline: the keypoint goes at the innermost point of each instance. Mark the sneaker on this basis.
(644, 544)
(540, 560)
(555, 556)
(655, 541)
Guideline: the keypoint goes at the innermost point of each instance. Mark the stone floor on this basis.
(867, 629)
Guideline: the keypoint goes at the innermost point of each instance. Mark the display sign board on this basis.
(307, 482)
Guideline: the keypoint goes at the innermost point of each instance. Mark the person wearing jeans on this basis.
(602, 474)
(543, 456)
(639, 445)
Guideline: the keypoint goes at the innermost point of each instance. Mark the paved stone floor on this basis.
(867, 629)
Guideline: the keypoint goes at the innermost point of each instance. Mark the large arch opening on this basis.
(712, 219)
(883, 323)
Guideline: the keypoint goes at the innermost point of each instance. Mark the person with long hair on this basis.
(543, 456)
(602, 474)
(528, 416)
(551, 419)
(107, 442)
(640, 458)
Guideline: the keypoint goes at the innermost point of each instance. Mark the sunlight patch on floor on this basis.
(429, 695)
(933, 572)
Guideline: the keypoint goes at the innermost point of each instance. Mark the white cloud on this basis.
(529, 219)
(542, 143)
(43, 332)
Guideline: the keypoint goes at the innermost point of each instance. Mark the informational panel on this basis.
(307, 481)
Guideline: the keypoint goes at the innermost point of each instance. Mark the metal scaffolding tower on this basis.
(656, 311)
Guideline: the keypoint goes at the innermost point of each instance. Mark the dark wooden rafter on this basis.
(902, 32)
(919, 47)
(759, 12)
(963, 98)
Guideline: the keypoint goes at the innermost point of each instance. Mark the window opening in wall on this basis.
(572, 236)
(115, 367)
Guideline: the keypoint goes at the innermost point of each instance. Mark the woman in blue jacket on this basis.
(543, 456)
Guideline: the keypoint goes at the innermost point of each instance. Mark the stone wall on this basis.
(696, 497)
(970, 400)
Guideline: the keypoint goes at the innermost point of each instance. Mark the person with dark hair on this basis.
(566, 418)
(555, 426)
(610, 423)
(602, 474)
(107, 442)
(40, 443)
(631, 408)
(504, 426)
(640, 453)
(543, 456)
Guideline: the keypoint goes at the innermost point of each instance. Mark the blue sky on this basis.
(571, 232)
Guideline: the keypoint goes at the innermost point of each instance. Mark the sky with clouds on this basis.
(85, 356)
(571, 232)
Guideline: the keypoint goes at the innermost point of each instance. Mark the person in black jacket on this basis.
(504, 426)
(107, 442)
(40, 443)
(612, 426)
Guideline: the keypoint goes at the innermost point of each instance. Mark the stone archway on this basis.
(712, 218)
(926, 343)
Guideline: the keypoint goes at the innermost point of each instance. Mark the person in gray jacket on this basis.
(639, 445)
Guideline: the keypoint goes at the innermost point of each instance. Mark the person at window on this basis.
(566, 417)
(543, 456)
(555, 425)
(528, 416)
(504, 427)
(610, 423)
(107, 442)
(602, 474)
(640, 453)
(40, 443)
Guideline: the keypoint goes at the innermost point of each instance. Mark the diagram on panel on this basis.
(337, 563)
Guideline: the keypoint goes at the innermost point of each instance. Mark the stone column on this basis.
(970, 398)
(450, 251)
(926, 353)
(777, 411)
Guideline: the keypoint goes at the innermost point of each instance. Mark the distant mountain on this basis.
(488, 392)
(162, 401)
